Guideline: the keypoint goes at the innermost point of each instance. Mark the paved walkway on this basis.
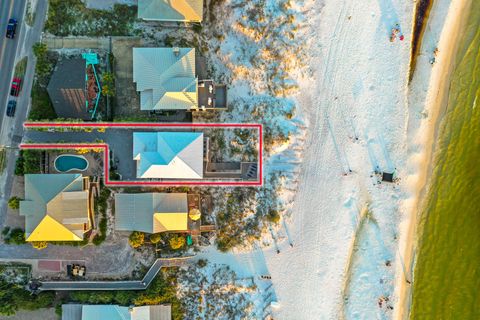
(116, 285)
(77, 42)
(109, 259)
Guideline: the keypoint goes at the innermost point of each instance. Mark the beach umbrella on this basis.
(194, 214)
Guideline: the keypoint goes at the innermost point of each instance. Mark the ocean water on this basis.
(447, 271)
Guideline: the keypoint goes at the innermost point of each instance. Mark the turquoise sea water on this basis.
(447, 271)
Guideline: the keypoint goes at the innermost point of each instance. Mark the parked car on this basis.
(15, 89)
(12, 105)
(11, 28)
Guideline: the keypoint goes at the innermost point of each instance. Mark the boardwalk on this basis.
(116, 285)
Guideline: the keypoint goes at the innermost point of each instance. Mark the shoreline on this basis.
(435, 102)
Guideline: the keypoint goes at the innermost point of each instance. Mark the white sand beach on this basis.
(359, 117)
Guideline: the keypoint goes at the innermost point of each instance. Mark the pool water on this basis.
(66, 163)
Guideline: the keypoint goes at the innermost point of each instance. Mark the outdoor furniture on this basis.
(387, 176)
(81, 272)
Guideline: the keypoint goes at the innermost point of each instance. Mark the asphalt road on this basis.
(11, 51)
(8, 47)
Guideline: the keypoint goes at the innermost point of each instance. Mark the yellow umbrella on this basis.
(194, 214)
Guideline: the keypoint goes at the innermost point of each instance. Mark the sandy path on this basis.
(435, 103)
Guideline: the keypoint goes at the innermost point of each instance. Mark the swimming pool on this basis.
(69, 162)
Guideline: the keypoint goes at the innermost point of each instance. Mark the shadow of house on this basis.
(67, 89)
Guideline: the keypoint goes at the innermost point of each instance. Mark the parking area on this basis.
(127, 100)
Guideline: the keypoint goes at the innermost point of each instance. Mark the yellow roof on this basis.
(170, 222)
(185, 7)
(51, 230)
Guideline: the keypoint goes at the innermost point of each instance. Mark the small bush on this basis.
(19, 164)
(136, 239)
(177, 242)
(273, 216)
(39, 245)
(102, 235)
(202, 263)
(58, 310)
(155, 238)
(16, 236)
(14, 203)
(5, 231)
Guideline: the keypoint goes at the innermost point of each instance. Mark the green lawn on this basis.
(3, 160)
(21, 67)
(42, 107)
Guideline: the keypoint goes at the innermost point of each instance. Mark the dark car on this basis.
(11, 108)
(15, 88)
(11, 28)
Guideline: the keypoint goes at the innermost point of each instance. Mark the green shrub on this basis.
(19, 164)
(136, 239)
(5, 230)
(31, 161)
(155, 238)
(58, 310)
(177, 242)
(161, 290)
(201, 263)
(43, 66)
(102, 234)
(108, 84)
(273, 216)
(39, 245)
(13, 298)
(16, 236)
(14, 203)
(42, 107)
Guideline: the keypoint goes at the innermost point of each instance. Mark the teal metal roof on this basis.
(160, 148)
(103, 312)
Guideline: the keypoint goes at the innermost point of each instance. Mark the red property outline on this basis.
(105, 147)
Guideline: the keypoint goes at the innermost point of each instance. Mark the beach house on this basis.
(151, 212)
(168, 79)
(115, 312)
(171, 10)
(165, 78)
(57, 207)
(169, 155)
